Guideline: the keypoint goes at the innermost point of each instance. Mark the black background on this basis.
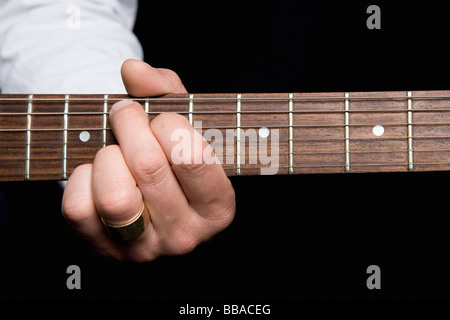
(294, 237)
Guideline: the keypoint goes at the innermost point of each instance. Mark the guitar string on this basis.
(402, 125)
(222, 127)
(284, 154)
(311, 138)
(301, 142)
(232, 98)
(234, 112)
(250, 146)
(300, 169)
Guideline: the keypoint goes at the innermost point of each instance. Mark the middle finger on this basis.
(168, 206)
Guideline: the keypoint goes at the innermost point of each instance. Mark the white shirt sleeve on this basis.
(59, 46)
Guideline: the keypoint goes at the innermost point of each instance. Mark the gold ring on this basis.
(130, 230)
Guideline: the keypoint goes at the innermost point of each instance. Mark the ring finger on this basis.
(118, 199)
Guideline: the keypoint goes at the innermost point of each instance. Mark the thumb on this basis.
(140, 79)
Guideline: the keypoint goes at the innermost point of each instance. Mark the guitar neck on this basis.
(45, 137)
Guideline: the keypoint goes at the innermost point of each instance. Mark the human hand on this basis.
(187, 203)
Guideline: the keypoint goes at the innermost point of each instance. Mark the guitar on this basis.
(45, 137)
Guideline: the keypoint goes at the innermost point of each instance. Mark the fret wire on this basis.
(238, 133)
(146, 106)
(28, 150)
(410, 133)
(347, 132)
(191, 109)
(291, 134)
(66, 125)
(105, 110)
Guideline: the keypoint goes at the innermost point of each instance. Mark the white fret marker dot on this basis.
(264, 132)
(84, 136)
(378, 130)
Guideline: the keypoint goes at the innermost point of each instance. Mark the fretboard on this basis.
(45, 137)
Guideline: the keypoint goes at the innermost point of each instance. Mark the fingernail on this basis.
(121, 104)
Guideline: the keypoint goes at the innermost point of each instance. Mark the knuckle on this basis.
(181, 242)
(227, 218)
(115, 199)
(193, 164)
(193, 168)
(106, 248)
(223, 217)
(142, 249)
(152, 169)
(75, 211)
(222, 213)
(183, 247)
(188, 155)
(143, 256)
